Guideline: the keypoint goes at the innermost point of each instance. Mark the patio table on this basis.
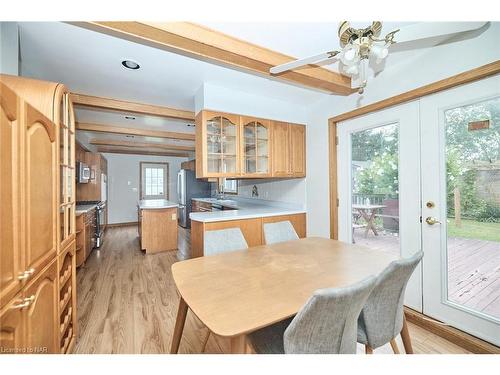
(368, 212)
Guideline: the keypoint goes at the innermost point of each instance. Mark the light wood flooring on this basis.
(127, 303)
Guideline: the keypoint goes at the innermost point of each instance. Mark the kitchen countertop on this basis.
(84, 208)
(156, 204)
(244, 208)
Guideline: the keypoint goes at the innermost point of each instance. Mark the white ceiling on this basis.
(297, 39)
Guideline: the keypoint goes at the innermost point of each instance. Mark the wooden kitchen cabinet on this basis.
(38, 209)
(255, 148)
(289, 150)
(85, 235)
(158, 229)
(217, 144)
(198, 206)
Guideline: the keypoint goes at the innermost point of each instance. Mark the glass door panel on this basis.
(250, 147)
(375, 188)
(472, 154)
(229, 146)
(214, 145)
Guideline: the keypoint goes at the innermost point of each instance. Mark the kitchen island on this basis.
(249, 215)
(157, 225)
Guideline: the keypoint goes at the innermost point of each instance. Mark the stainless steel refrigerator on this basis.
(189, 187)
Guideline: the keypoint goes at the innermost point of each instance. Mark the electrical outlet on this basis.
(174, 216)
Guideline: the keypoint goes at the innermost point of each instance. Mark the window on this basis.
(231, 186)
(154, 180)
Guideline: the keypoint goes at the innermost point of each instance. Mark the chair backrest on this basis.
(223, 241)
(382, 316)
(327, 323)
(280, 231)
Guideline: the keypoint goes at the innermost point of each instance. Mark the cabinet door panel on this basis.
(42, 315)
(41, 199)
(281, 152)
(12, 330)
(298, 150)
(11, 264)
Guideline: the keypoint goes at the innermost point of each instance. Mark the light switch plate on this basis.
(174, 216)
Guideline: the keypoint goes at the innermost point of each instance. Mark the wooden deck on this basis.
(473, 269)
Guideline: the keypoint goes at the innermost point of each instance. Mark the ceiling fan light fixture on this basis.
(352, 70)
(350, 54)
(379, 51)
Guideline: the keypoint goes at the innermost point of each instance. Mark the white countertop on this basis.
(156, 204)
(84, 208)
(244, 208)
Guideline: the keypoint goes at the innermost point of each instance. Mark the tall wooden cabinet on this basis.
(37, 216)
(289, 150)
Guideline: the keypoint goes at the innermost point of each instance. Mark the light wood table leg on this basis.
(239, 344)
(405, 335)
(394, 345)
(179, 326)
(368, 349)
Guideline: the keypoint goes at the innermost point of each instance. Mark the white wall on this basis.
(421, 68)
(219, 98)
(124, 184)
(9, 48)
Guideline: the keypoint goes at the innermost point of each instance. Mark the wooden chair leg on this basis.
(394, 345)
(405, 335)
(368, 349)
(205, 341)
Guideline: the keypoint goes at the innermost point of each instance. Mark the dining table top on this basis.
(239, 292)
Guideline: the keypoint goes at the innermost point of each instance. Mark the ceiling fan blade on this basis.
(302, 62)
(413, 36)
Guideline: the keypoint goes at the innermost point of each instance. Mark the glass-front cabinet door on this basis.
(222, 145)
(256, 147)
(67, 168)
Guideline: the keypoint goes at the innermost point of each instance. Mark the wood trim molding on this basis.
(444, 84)
(140, 151)
(460, 338)
(148, 145)
(134, 131)
(456, 80)
(205, 44)
(125, 106)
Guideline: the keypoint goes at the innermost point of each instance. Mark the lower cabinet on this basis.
(29, 322)
(85, 236)
(252, 229)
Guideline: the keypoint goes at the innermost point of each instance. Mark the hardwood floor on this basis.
(127, 303)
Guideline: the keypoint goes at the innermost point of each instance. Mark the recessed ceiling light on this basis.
(191, 125)
(129, 64)
(130, 136)
(130, 117)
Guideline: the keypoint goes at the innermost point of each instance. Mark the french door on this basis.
(378, 182)
(426, 175)
(461, 207)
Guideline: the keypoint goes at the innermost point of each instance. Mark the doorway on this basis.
(426, 175)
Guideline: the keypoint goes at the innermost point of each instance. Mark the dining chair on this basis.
(222, 241)
(326, 324)
(280, 231)
(382, 317)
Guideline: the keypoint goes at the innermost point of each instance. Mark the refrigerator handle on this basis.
(178, 187)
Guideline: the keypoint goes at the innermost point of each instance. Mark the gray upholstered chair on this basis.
(382, 318)
(326, 324)
(222, 241)
(280, 231)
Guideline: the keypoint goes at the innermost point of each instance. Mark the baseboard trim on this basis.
(454, 335)
(128, 224)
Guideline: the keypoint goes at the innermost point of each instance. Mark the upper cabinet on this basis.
(256, 147)
(235, 146)
(217, 144)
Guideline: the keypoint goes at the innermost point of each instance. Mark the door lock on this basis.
(432, 220)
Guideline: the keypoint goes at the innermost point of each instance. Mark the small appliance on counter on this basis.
(189, 187)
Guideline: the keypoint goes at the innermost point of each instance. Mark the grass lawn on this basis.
(474, 229)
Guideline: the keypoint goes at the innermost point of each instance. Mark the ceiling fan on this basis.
(360, 46)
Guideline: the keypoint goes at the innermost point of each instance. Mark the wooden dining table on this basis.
(237, 293)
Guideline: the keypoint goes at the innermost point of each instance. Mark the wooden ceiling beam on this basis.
(130, 107)
(134, 131)
(139, 151)
(205, 44)
(148, 145)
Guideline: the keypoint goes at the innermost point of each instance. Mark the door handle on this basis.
(26, 274)
(432, 220)
(25, 303)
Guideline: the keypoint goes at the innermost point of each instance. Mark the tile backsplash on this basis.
(282, 190)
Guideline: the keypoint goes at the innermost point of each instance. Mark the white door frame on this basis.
(434, 189)
(407, 116)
